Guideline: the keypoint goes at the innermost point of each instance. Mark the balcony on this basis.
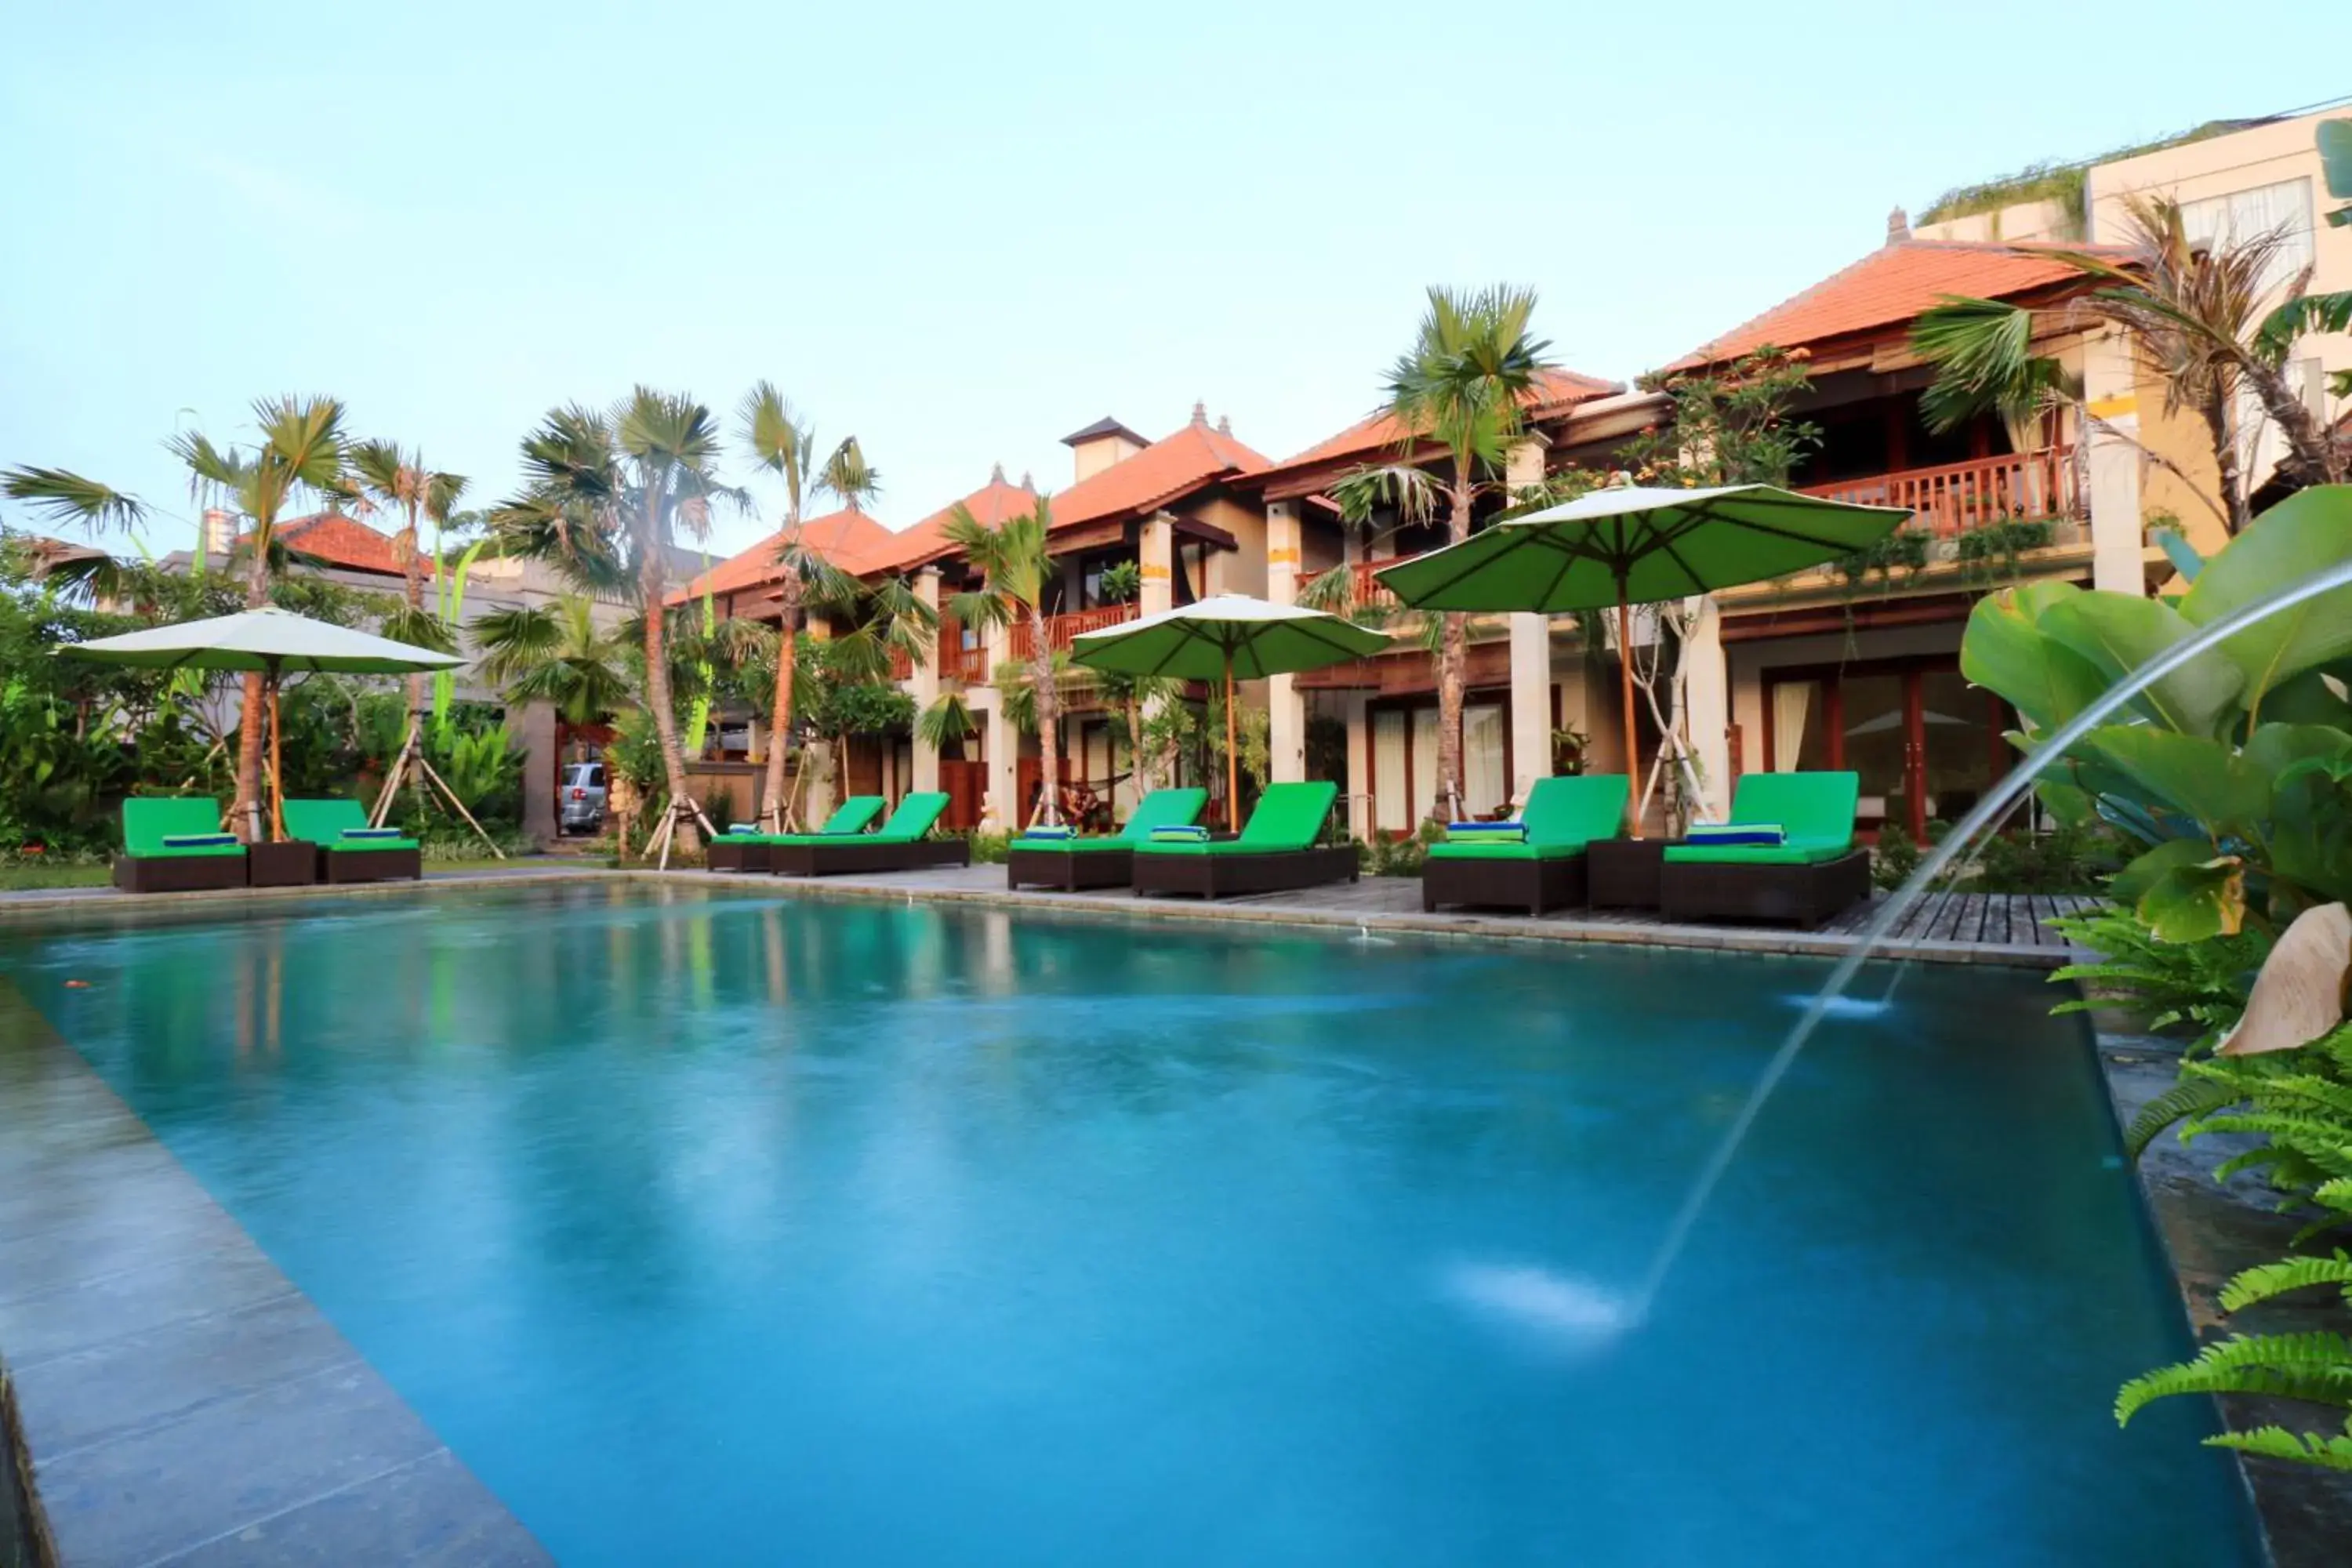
(902, 665)
(957, 662)
(1368, 592)
(1060, 629)
(1954, 499)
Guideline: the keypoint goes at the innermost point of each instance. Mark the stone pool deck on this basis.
(184, 1403)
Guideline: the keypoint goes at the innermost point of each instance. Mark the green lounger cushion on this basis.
(1755, 854)
(1504, 850)
(1289, 819)
(149, 820)
(324, 823)
(914, 818)
(1815, 810)
(1161, 808)
(1562, 815)
(850, 816)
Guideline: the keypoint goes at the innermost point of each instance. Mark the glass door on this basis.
(1925, 744)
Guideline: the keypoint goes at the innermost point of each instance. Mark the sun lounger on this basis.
(1276, 851)
(176, 845)
(1071, 864)
(349, 850)
(747, 850)
(899, 844)
(1812, 875)
(1544, 871)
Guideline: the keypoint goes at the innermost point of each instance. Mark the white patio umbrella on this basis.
(275, 642)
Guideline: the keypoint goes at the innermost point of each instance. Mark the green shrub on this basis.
(989, 849)
(2001, 540)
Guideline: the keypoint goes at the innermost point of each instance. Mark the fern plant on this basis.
(2312, 1368)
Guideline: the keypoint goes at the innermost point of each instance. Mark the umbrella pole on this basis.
(1625, 700)
(1233, 756)
(277, 771)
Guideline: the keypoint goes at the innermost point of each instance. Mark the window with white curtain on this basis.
(1392, 811)
(1485, 782)
(1424, 764)
(2242, 216)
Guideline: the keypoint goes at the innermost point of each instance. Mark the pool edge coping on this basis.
(1760, 941)
(108, 1126)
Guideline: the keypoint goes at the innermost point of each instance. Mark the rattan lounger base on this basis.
(178, 873)
(371, 865)
(1534, 886)
(1225, 876)
(1068, 869)
(850, 857)
(1807, 895)
(724, 857)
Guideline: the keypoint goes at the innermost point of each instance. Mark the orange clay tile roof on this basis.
(1137, 485)
(927, 541)
(838, 536)
(1889, 286)
(345, 543)
(1554, 389)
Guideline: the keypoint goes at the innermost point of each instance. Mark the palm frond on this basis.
(62, 495)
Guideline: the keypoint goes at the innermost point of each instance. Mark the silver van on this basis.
(580, 798)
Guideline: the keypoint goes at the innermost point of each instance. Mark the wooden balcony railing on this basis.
(1060, 629)
(1368, 591)
(1952, 499)
(957, 662)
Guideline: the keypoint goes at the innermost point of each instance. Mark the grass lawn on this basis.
(24, 879)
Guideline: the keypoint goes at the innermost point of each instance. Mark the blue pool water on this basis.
(730, 1230)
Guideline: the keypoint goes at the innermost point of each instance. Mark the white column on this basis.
(1286, 709)
(1359, 765)
(2118, 536)
(1003, 743)
(924, 687)
(1707, 710)
(1530, 652)
(1156, 558)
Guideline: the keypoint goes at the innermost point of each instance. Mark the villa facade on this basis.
(1857, 667)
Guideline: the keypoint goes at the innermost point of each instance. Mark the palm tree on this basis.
(785, 444)
(383, 475)
(1132, 695)
(606, 495)
(1462, 385)
(2210, 319)
(300, 452)
(1017, 569)
(556, 654)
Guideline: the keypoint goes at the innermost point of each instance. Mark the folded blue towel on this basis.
(1464, 826)
(744, 827)
(198, 840)
(366, 832)
(1191, 835)
(1053, 830)
(1724, 834)
(1487, 832)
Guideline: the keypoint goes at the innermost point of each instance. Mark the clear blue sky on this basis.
(962, 231)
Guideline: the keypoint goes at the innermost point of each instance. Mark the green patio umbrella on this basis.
(275, 642)
(1631, 545)
(1227, 635)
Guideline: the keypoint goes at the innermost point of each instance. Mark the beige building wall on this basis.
(2283, 153)
(1241, 571)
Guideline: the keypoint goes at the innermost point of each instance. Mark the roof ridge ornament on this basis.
(1200, 413)
(1898, 228)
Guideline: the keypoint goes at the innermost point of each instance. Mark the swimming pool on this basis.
(713, 1228)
